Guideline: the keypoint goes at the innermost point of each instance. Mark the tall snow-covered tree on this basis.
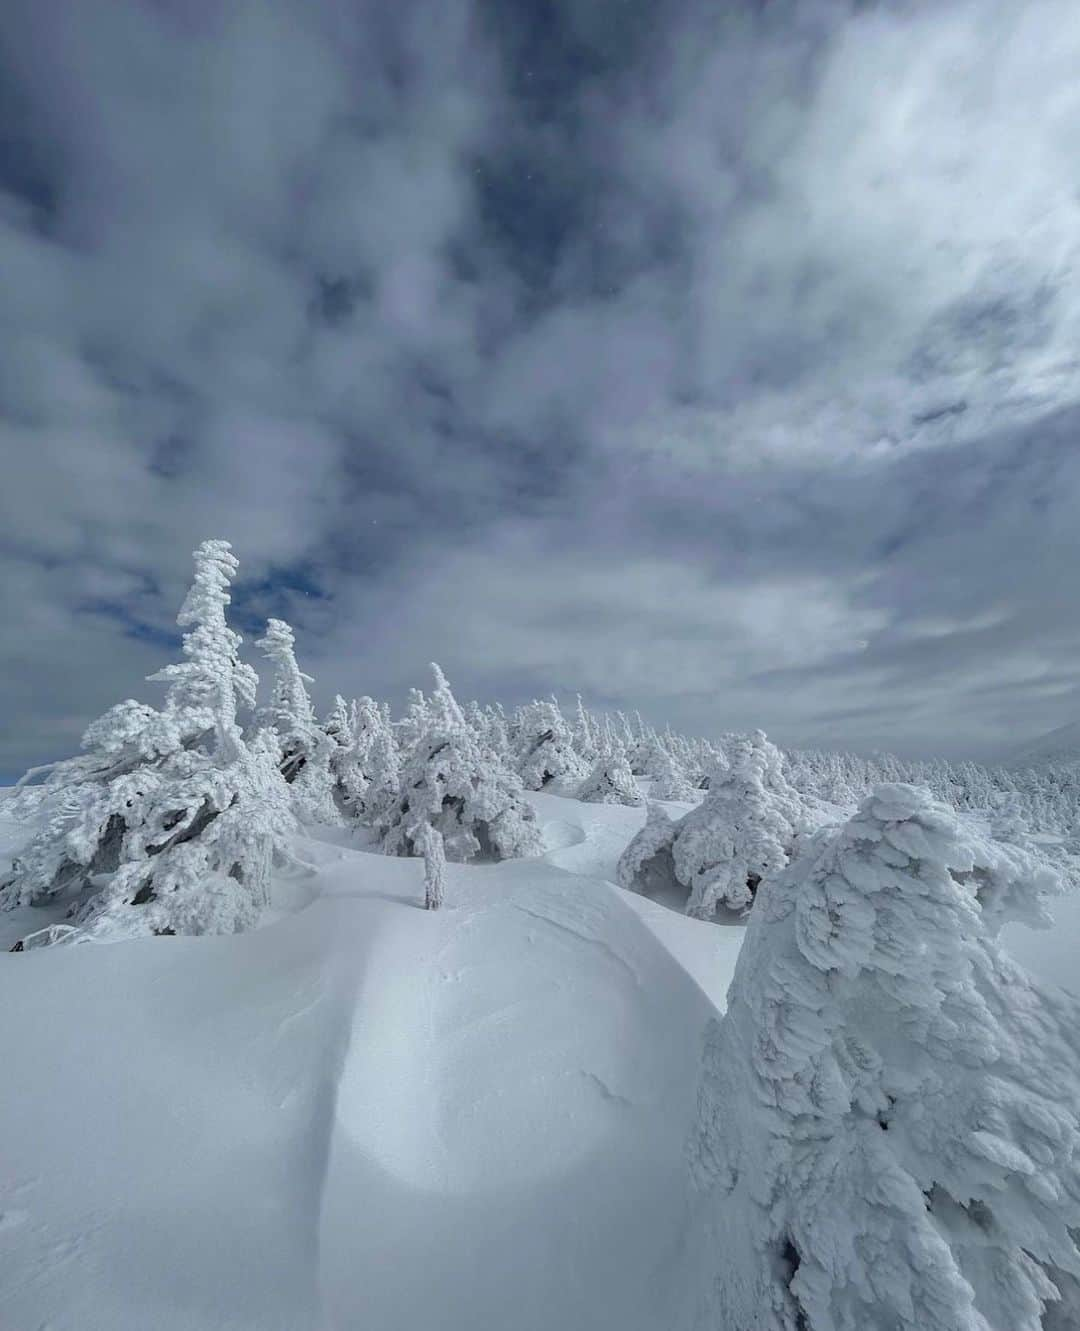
(889, 1122)
(169, 820)
(475, 802)
(583, 734)
(306, 750)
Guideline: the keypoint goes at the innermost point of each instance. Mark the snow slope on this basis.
(1057, 746)
(364, 1115)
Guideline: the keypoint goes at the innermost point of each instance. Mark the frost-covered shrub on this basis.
(476, 803)
(545, 747)
(306, 751)
(889, 1120)
(169, 821)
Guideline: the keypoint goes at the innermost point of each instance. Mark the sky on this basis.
(715, 360)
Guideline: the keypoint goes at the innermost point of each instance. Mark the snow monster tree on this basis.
(889, 1120)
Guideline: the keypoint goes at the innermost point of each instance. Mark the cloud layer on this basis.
(718, 365)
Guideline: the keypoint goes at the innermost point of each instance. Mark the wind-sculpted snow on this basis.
(889, 1133)
(367, 1115)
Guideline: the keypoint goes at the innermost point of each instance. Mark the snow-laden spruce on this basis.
(889, 1131)
(170, 820)
(669, 779)
(545, 747)
(463, 791)
(718, 852)
(306, 750)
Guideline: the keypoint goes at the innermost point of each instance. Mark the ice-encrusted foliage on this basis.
(474, 801)
(610, 781)
(742, 830)
(306, 751)
(888, 1121)
(169, 821)
(545, 747)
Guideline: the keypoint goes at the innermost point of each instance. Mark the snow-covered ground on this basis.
(364, 1115)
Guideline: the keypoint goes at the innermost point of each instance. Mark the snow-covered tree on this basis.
(338, 723)
(742, 830)
(472, 800)
(169, 820)
(669, 780)
(610, 782)
(414, 722)
(430, 845)
(889, 1121)
(545, 747)
(583, 734)
(306, 751)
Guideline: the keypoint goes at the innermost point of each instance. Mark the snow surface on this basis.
(364, 1115)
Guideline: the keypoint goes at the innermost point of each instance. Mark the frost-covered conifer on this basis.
(306, 750)
(463, 791)
(889, 1121)
(429, 844)
(338, 724)
(545, 747)
(669, 781)
(610, 782)
(742, 830)
(583, 736)
(415, 721)
(169, 821)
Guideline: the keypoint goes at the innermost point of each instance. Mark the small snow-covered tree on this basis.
(889, 1120)
(742, 830)
(545, 747)
(610, 782)
(169, 820)
(463, 791)
(669, 780)
(306, 750)
(429, 843)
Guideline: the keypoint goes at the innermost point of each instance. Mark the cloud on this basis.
(714, 362)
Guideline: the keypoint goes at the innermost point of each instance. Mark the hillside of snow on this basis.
(1057, 746)
(364, 1114)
